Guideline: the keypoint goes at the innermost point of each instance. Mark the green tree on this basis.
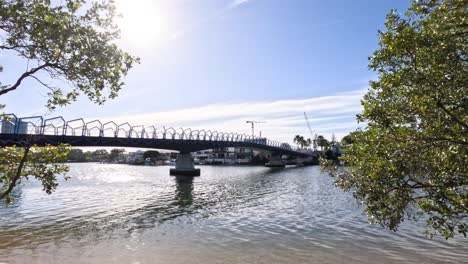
(301, 141)
(348, 139)
(88, 156)
(76, 155)
(65, 40)
(322, 142)
(115, 154)
(298, 140)
(152, 154)
(329, 154)
(412, 158)
(100, 155)
(41, 163)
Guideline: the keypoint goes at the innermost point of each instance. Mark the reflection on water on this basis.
(184, 188)
(128, 214)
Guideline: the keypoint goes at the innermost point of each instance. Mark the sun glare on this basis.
(143, 23)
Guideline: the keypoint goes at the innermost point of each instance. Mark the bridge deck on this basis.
(182, 145)
(53, 131)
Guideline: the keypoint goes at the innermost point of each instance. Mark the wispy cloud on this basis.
(236, 3)
(284, 118)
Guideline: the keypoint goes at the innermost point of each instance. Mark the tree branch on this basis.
(17, 175)
(13, 47)
(444, 139)
(454, 118)
(25, 75)
(41, 82)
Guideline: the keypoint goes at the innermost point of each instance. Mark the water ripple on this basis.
(119, 213)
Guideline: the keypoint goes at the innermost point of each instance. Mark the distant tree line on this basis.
(102, 155)
(326, 146)
(78, 155)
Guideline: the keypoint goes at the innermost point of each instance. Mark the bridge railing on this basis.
(58, 126)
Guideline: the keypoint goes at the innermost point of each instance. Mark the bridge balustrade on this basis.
(50, 123)
(150, 132)
(202, 134)
(215, 135)
(8, 124)
(57, 126)
(187, 134)
(160, 135)
(28, 128)
(109, 129)
(94, 128)
(169, 133)
(196, 135)
(94, 131)
(123, 130)
(71, 130)
(178, 136)
(51, 129)
(24, 126)
(137, 132)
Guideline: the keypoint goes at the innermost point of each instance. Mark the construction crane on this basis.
(312, 134)
(252, 122)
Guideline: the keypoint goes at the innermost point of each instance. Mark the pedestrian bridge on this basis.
(22, 131)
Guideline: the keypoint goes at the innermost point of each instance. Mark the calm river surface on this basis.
(129, 214)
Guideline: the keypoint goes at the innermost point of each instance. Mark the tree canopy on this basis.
(41, 163)
(152, 154)
(115, 154)
(322, 142)
(412, 158)
(301, 141)
(72, 41)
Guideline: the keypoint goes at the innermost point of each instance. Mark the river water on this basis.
(129, 214)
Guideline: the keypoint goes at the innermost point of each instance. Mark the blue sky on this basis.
(215, 64)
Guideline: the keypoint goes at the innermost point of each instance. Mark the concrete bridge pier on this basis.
(185, 166)
(275, 161)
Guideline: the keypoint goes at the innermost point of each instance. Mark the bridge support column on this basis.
(275, 161)
(185, 166)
